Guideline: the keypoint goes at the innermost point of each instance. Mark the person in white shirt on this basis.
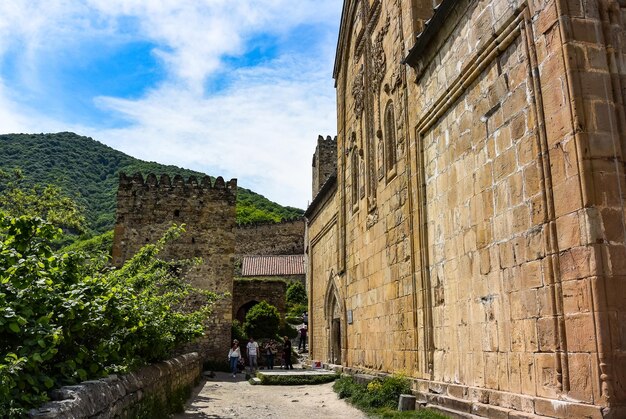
(233, 356)
(253, 350)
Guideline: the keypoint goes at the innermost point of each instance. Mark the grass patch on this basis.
(379, 398)
(294, 380)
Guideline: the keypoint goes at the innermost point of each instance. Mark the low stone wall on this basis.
(153, 391)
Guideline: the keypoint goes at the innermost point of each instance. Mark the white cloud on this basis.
(261, 129)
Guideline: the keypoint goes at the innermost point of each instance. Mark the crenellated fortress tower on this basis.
(324, 161)
(147, 208)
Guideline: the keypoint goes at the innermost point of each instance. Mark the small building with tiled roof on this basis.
(273, 265)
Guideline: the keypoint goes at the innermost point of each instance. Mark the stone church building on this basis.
(467, 227)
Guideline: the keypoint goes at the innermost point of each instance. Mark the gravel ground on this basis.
(226, 397)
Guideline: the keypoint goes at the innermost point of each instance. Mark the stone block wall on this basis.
(147, 393)
(146, 209)
(284, 238)
(246, 291)
(322, 286)
(484, 255)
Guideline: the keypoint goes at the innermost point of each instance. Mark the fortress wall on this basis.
(146, 209)
(284, 238)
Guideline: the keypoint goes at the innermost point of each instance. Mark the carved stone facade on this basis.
(486, 260)
(146, 209)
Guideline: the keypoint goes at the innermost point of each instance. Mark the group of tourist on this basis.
(270, 350)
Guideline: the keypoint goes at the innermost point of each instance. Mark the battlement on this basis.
(178, 182)
(147, 207)
(326, 141)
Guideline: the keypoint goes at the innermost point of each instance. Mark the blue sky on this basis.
(237, 88)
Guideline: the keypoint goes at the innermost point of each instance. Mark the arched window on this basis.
(355, 176)
(390, 138)
(354, 167)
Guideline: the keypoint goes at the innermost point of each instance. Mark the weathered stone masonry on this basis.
(146, 209)
(247, 292)
(129, 396)
(478, 220)
(324, 161)
(269, 238)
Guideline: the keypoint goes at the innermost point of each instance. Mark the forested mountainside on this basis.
(87, 171)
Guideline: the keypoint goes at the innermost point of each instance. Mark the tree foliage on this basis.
(296, 293)
(87, 172)
(102, 243)
(66, 317)
(47, 202)
(262, 321)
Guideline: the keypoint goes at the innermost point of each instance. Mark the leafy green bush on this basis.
(294, 319)
(296, 310)
(262, 321)
(386, 392)
(102, 243)
(287, 330)
(346, 386)
(48, 202)
(237, 332)
(66, 317)
(296, 294)
(379, 398)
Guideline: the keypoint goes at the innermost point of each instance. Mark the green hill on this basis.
(87, 171)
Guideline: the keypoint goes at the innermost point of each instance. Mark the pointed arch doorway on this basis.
(335, 324)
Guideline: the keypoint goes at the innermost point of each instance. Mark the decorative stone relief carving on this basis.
(358, 93)
(372, 218)
(379, 60)
(396, 78)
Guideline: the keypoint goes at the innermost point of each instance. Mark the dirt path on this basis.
(226, 397)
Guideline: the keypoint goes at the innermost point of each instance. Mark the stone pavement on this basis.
(226, 397)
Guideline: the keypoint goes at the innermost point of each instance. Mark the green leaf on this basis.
(14, 327)
(48, 382)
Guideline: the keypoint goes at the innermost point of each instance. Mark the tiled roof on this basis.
(273, 265)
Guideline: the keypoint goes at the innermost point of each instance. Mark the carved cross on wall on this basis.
(366, 86)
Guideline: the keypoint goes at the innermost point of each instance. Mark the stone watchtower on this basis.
(324, 161)
(146, 209)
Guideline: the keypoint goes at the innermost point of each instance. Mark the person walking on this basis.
(287, 353)
(269, 356)
(302, 343)
(233, 357)
(253, 350)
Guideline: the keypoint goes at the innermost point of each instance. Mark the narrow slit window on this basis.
(390, 138)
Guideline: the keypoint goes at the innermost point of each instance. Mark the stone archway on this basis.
(335, 323)
(246, 291)
(243, 310)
